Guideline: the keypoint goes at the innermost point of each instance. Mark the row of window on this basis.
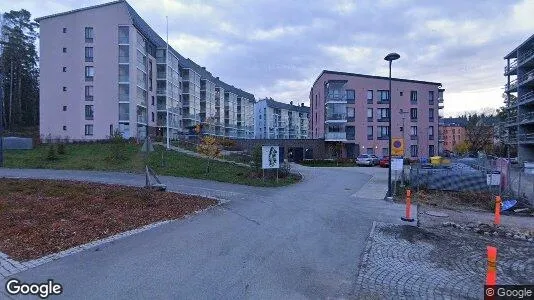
(414, 151)
(383, 132)
(383, 96)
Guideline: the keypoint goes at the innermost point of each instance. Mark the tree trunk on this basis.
(10, 120)
(19, 111)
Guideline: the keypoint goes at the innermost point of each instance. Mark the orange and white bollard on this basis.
(407, 217)
(498, 202)
(491, 273)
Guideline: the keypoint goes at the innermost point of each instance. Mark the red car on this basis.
(384, 162)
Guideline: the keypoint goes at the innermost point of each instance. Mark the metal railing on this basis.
(336, 117)
(522, 58)
(526, 97)
(511, 86)
(525, 77)
(513, 65)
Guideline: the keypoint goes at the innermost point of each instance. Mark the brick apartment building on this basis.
(452, 132)
(352, 109)
(103, 68)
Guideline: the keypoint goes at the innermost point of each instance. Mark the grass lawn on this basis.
(98, 157)
(41, 217)
(327, 163)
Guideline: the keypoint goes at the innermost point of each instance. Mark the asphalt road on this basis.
(302, 241)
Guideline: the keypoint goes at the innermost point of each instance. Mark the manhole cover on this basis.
(436, 214)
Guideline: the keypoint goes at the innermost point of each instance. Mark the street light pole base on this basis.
(406, 219)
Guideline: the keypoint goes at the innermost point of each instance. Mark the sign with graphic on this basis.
(397, 164)
(270, 157)
(397, 146)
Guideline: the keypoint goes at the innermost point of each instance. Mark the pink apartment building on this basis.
(352, 109)
(103, 68)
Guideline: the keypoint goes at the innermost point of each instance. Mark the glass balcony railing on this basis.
(526, 77)
(336, 117)
(335, 136)
(525, 56)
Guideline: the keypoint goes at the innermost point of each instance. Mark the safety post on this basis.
(498, 202)
(407, 217)
(491, 273)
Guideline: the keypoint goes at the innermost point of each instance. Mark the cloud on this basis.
(279, 50)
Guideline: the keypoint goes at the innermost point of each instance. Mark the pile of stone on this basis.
(487, 229)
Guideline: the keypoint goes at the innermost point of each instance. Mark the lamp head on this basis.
(392, 56)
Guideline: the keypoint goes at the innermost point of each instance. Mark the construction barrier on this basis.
(407, 216)
(491, 273)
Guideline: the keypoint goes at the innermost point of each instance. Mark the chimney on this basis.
(217, 78)
(290, 102)
(203, 68)
(302, 104)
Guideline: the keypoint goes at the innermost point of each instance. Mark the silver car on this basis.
(365, 160)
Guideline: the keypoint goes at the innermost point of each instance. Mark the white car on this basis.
(365, 160)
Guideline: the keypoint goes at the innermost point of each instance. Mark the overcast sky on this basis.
(278, 48)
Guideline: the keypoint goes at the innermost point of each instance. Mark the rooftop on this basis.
(276, 104)
(513, 53)
(375, 77)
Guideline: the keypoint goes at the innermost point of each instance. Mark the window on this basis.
(413, 114)
(413, 132)
(383, 132)
(351, 96)
(150, 75)
(413, 97)
(124, 112)
(370, 151)
(124, 92)
(64, 128)
(88, 54)
(89, 73)
(384, 96)
(64, 108)
(431, 114)
(369, 115)
(431, 97)
(152, 100)
(430, 132)
(64, 88)
(88, 34)
(89, 112)
(88, 93)
(152, 116)
(124, 73)
(431, 150)
(350, 114)
(385, 151)
(369, 96)
(413, 150)
(124, 35)
(401, 93)
(383, 114)
(64, 31)
(88, 129)
(369, 132)
(124, 53)
(64, 69)
(316, 105)
(64, 50)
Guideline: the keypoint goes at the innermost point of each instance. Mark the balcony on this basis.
(413, 137)
(511, 87)
(335, 99)
(525, 57)
(141, 119)
(336, 118)
(335, 136)
(525, 78)
(526, 118)
(382, 119)
(512, 67)
(525, 98)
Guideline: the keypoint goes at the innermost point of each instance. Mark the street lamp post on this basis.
(390, 58)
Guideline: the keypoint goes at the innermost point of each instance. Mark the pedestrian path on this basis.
(193, 153)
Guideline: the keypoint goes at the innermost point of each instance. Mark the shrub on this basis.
(61, 148)
(285, 170)
(209, 146)
(118, 147)
(256, 157)
(51, 154)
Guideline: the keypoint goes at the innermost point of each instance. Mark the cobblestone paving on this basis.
(407, 262)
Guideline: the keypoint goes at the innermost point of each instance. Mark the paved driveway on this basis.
(302, 241)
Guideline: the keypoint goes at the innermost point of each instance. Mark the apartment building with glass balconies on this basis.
(352, 110)
(519, 91)
(277, 120)
(103, 68)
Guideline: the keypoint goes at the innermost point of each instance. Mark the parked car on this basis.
(376, 159)
(384, 162)
(365, 160)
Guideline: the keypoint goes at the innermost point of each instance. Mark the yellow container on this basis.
(435, 160)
